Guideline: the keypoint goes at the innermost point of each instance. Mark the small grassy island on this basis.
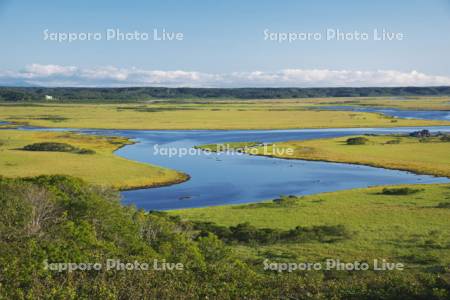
(423, 154)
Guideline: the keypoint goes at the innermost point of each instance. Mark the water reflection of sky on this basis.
(228, 179)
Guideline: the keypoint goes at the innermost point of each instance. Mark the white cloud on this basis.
(36, 70)
(109, 76)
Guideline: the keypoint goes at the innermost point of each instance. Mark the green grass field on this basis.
(413, 103)
(231, 114)
(411, 229)
(103, 167)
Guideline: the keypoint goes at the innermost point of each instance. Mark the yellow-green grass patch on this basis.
(412, 229)
(424, 156)
(102, 168)
(281, 114)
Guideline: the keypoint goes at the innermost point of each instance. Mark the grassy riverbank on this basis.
(408, 223)
(100, 167)
(231, 114)
(423, 156)
(412, 229)
(407, 103)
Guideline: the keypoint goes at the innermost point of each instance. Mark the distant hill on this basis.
(150, 93)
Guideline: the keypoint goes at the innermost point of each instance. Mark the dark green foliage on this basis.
(443, 205)
(85, 151)
(286, 201)
(400, 191)
(318, 233)
(63, 219)
(56, 147)
(52, 118)
(14, 94)
(421, 134)
(49, 146)
(247, 233)
(392, 142)
(445, 138)
(357, 141)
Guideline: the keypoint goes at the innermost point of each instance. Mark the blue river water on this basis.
(218, 179)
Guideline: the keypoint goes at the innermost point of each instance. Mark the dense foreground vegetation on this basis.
(57, 219)
(32, 153)
(147, 93)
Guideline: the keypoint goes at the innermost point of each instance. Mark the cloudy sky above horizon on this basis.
(56, 75)
(224, 44)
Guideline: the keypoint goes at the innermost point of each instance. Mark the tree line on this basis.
(15, 94)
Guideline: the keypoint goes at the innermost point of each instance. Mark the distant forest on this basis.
(14, 94)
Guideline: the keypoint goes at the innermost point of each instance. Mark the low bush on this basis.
(247, 233)
(50, 146)
(391, 142)
(443, 205)
(56, 147)
(400, 191)
(285, 201)
(445, 138)
(85, 151)
(357, 141)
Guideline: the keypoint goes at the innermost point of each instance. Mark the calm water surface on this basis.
(218, 179)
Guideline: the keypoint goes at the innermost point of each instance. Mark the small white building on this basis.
(48, 97)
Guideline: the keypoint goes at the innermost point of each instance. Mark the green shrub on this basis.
(85, 151)
(400, 191)
(56, 147)
(445, 138)
(247, 233)
(63, 219)
(50, 146)
(443, 205)
(285, 201)
(391, 142)
(357, 141)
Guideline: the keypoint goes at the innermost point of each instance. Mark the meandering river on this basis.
(218, 179)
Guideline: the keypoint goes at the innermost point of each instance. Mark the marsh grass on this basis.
(406, 153)
(98, 164)
(406, 228)
(227, 114)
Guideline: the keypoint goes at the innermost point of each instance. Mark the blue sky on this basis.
(224, 43)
